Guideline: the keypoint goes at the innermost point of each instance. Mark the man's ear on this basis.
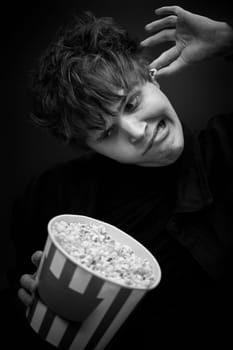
(153, 72)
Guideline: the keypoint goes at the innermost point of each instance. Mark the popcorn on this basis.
(92, 247)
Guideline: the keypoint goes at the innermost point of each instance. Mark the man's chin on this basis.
(172, 157)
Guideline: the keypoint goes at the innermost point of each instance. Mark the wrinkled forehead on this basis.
(116, 76)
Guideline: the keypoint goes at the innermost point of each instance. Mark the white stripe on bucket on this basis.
(120, 318)
(47, 246)
(38, 316)
(57, 264)
(45, 254)
(108, 293)
(57, 331)
(80, 280)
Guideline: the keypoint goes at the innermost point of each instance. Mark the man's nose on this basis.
(134, 128)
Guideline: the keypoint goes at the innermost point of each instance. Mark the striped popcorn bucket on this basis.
(76, 308)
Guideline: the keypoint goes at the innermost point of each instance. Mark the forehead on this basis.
(124, 96)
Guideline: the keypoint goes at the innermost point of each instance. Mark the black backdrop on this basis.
(27, 28)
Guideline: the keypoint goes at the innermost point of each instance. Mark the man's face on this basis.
(146, 132)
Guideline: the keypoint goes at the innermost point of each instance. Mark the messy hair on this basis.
(80, 74)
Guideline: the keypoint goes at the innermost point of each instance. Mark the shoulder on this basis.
(216, 143)
(60, 177)
(77, 169)
(218, 132)
(54, 187)
(220, 121)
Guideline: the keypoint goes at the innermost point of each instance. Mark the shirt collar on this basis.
(193, 191)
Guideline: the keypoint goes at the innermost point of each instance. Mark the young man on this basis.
(144, 170)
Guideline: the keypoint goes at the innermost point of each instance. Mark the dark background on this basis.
(27, 28)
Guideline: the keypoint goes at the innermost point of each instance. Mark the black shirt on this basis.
(191, 200)
(182, 213)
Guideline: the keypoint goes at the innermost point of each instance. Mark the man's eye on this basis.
(105, 134)
(132, 104)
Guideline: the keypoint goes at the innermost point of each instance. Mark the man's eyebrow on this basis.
(122, 102)
(127, 96)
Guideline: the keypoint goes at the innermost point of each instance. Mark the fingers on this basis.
(26, 293)
(29, 283)
(168, 10)
(160, 24)
(165, 35)
(174, 67)
(36, 257)
(25, 298)
(165, 58)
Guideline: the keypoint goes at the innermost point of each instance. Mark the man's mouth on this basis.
(158, 134)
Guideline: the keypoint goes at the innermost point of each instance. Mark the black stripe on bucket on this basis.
(69, 335)
(32, 309)
(46, 323)
(112, 312)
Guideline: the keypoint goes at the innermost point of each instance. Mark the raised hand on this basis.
(196, 38)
